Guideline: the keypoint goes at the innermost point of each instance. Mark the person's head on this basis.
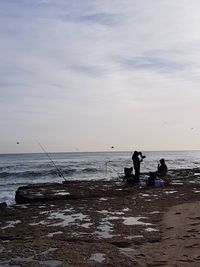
(138, 153)
(162, 161)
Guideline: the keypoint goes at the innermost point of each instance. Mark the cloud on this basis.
(151, 63)
(98, 18)
(100, 65)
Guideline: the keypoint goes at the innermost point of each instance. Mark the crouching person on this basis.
(129, 177)
(3, 206)
(160, 177)
(162, 169)
(162, 172)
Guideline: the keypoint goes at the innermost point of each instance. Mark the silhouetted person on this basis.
(160, 174)
(3, 206)
(137, 158)
(162, 169)
(128, 175)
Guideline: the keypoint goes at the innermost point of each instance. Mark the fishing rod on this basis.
(118, 174)
(56, 167)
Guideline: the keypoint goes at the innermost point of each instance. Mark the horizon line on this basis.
(103, 151)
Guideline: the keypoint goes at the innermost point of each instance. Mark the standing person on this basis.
(137, 158)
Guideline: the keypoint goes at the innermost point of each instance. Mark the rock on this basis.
(69, 190)
(85, 223)
(3, 206)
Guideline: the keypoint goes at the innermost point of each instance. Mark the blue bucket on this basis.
(159, 183)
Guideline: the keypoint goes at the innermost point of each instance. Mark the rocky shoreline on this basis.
(94, 223)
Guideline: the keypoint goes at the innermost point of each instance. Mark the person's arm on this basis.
(159, 168)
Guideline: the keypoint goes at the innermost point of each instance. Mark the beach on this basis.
(180, 241)
(117, 225)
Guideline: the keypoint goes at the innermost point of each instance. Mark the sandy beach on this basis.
(180, 239)
(114, 225)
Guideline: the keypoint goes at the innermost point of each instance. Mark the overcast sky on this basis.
(87, 75)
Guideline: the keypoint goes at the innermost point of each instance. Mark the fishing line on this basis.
(56, 167)
(112, 169)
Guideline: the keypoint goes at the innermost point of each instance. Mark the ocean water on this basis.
(22, 169)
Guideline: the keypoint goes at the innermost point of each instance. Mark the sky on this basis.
(87, 75)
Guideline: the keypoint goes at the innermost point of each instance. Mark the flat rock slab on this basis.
(69, 190)
(87, 189)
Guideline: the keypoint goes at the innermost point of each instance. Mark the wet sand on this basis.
(180, 239)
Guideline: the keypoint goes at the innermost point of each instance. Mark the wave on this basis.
(10, 184)
(90, 170)
(33, 173)
(52, 172)
(69, 171)
(21, 174)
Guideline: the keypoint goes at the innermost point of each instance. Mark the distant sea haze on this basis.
(22, 169)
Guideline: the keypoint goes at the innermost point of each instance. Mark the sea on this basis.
(22, 169)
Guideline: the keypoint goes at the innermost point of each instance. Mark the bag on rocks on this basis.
(151, 179)
(159, 183)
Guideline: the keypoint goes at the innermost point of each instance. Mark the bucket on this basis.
(159, 183)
